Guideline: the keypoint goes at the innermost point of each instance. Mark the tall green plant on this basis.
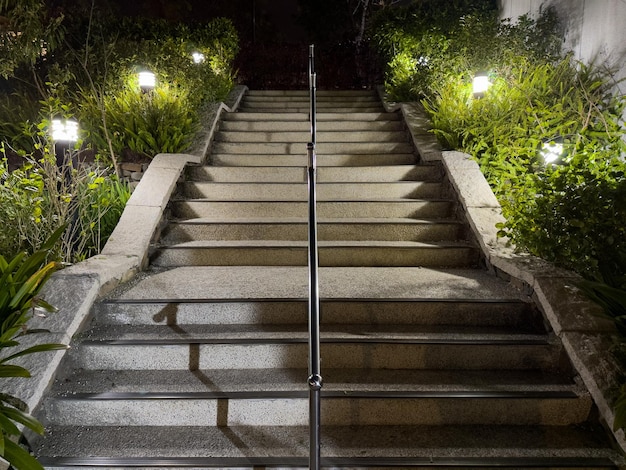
(571, 213)
(159, 121)
(100, 201)
(40, 196)
(21, 279)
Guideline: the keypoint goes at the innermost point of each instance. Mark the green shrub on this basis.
(428, 42)
(21, 279)
(145, 123)
(24, 213)
(570, 214)
(119, 117)
(39, 197)
(100, 201)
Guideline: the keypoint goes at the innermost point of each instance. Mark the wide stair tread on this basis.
(325, 174)
(419, 382)
(457, 446)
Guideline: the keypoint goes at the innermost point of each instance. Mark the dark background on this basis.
(275, 35)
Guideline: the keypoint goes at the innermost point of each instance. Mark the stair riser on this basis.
(321, 137)
(304, 108)
(278, 115)
(323, 148)
(268, 356)
(334, 412)
(408, 209)
(328, 256)
(299, 191)
(279, 313)
(304, 97)
(300, 161)
(429, 448)
(324, 174)
(321, 94)
(176, 233)
(304, 103)
(305, 126)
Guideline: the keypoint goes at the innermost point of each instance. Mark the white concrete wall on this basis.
(595, 30)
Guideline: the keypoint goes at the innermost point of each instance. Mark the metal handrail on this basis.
(315, 377)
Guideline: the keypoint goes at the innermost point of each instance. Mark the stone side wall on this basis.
(594, 30)
(133, 172)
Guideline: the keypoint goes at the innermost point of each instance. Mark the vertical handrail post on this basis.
(315, 377)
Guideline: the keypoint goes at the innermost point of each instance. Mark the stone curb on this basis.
(586, 333)
(75, 289)
(202, 143)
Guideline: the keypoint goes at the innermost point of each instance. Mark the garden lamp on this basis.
(198, 57)
(64, 130)
(147, 81)
(63, 133)
(552, 152)
(480, 84)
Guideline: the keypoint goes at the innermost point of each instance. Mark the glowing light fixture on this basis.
(147, 81)
(198, 57)
(64, 130)
(480, 84)
(552, 152)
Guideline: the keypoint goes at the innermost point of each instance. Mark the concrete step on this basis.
(294, 102)
(503, 312)
(323, 148)
(298, 332)
(453, 447)
(305, 136)
(325, 174)
(297, 229)
(323, 116)
(485, 382)
(299, 191)
(291, 282)
(304, 108)
(301, 160)
(305, 126)
(180, 351)
(349, 408)
(321, 94)
(331, 253)
(401, 208)
(251, 97)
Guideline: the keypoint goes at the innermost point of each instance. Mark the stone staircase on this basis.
(428, 360)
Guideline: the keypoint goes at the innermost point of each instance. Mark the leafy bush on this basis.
(92, 75)
(428, 42)
(101, 199)
(144, 123)
(39, 197)
(568, 214)
(571, 213)
(21, 279)
(24, 213)
(116, 116)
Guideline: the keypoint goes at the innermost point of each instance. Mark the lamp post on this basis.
(480, 84)
(198, 57)
(147, 81)
(552, 152)
(63, 133)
